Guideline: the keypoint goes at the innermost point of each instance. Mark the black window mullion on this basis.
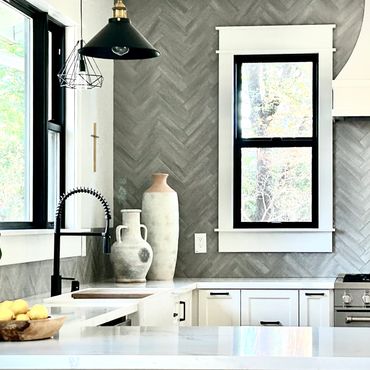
(58, 56)
(40, 128)
(57, 122)
(275, 143)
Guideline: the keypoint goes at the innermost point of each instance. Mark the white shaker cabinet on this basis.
(269, 307)
(315, 308)
(219, 307)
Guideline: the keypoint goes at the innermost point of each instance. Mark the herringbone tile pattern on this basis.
(166, 120)
(29, 279)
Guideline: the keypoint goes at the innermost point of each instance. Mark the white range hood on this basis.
(351, 88)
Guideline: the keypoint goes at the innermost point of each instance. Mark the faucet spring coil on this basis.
(85, 190)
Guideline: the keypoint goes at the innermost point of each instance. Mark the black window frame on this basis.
(275, 142)
(42, 23)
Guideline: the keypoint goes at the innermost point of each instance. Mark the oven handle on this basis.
(350, 319)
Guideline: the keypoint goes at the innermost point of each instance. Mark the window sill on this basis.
(275, 240)
(33, 245)
(264, 230)
(20, 232)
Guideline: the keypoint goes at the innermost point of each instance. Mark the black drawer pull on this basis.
(219, 293)
(315, 294)
(271, 323)
(183, 311)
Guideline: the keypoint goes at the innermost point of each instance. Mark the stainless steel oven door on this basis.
(351, 318)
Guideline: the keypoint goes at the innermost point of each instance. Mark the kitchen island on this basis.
(276, 348)
(82, 344)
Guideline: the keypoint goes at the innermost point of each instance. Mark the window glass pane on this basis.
(276, 185)
(15, 116)
(276, 99)
(53, 173)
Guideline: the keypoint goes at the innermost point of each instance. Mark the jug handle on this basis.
(145, 231)
(118, 232)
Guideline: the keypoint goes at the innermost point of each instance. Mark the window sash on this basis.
(41, 26)
(274, 142)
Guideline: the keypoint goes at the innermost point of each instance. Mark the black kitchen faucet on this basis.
(56, 278)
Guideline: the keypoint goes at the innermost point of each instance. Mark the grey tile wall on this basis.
(166, 120)
(29, 279)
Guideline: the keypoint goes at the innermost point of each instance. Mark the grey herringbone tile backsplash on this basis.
(166, 119)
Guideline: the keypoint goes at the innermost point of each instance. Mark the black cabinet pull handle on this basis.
(219, 293)
(183, 311)
(271, 323)
(315, 294)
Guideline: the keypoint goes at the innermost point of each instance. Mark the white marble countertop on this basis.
(266, 283)
(182, 285)
(193, 348)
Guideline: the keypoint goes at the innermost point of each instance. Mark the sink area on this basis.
(97, 295)
(109, 293)
(117, 305)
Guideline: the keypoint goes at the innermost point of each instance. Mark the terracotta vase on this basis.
(131, 254)
(161, 215)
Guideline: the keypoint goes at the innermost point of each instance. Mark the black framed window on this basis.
(32, 107)
(276, 141)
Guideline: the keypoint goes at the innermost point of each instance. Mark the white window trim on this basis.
(24, 246)
(275, 40)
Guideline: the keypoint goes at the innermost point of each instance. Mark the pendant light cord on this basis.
(81, 18)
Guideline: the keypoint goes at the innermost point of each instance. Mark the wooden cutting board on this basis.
(29, 330)
(108, 294)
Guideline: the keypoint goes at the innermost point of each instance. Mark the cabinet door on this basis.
(315, 308)
(219, 307)
(269, 307)
(156, 310)
(183, 309)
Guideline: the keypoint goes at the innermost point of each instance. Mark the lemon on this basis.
(38, 312)
(19, 306)
(6, 304)
(22, 317)
(6, 314)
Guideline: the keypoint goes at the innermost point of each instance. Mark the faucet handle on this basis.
(75, 285)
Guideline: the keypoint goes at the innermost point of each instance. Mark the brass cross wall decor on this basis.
(95, 137)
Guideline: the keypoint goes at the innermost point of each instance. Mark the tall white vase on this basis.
(131, 254)
(161, 215)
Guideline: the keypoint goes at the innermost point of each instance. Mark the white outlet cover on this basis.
(200, 243)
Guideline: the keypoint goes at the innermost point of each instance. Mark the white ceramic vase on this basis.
(131, 254)
(161, 215)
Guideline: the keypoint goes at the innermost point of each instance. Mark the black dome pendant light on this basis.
(119, 39)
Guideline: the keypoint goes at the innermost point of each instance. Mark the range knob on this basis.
(366, 298)
(347, 299)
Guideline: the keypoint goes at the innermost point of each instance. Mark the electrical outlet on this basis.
(200, 243)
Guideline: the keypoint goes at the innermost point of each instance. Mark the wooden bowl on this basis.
(30, 330)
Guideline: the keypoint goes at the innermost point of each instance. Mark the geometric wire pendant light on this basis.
(79, 70)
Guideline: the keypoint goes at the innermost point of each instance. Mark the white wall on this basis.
(83, 109)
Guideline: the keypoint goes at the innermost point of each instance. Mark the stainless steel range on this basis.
(352, 300)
